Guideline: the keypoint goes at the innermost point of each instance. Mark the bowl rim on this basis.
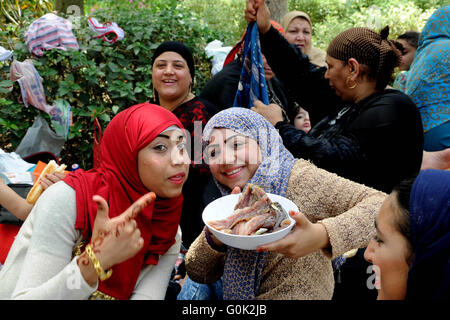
(255, 236)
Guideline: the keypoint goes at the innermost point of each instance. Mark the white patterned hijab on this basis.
(275, 169)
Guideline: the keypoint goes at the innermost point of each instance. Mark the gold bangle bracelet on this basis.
(98, 268)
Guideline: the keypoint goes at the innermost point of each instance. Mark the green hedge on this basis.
(101, 78)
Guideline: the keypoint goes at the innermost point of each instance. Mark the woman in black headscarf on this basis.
(173, 75)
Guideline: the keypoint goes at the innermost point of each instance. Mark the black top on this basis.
(221, 89)
(377, 142)
(189, 112)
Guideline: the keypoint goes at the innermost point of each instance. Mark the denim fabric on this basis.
(198, 291)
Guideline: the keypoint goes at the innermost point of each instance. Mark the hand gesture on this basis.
(117, 239)
(305, 238)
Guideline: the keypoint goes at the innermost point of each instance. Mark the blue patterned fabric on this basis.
(243, 268)
(428, 80)
(429, 209)
(252, 83)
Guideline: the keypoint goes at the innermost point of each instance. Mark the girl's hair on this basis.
(412, 37)
(402, 195)
(293, 112)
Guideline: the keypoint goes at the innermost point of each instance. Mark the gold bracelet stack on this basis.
(98, 268)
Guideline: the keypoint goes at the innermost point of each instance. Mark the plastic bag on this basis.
(61, 118)
(218, 53)
(12, 162)
(40, 137)
(30, 83)
(5, 54)
(105, 29)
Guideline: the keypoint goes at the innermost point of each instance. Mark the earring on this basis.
(352, 86)
(155, 97)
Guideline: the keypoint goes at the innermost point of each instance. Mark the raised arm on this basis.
(305, 81)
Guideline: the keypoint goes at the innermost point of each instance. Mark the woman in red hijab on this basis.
(110, 232)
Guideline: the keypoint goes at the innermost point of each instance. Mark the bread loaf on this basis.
(37, 189)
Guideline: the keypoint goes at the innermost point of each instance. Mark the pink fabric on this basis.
(50, 32)
(30, 84)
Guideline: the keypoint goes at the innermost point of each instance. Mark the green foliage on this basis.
(223, 15)
(330, 17)
(101, 79)
(15, 14)
(14, 11)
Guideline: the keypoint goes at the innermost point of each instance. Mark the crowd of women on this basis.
(365, 164)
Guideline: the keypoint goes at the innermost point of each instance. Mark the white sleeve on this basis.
(47, 270)
(153, 280)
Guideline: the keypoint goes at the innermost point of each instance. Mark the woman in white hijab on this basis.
(298, 28)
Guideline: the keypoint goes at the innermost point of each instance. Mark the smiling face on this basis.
(163, 165)
(389, 251)
(171, 77)
(233, 158)
(299, 32)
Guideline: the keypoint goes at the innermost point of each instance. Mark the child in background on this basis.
(409, 40)
(409, 43)
(301, 119)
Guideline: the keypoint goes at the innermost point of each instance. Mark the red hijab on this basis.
(117, 180)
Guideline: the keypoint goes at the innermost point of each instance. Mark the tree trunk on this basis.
(70, 7)
(278, 8)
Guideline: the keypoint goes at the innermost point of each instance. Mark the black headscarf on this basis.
(179, 48)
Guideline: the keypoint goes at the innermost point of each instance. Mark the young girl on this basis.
(110, 232)
(411, 249)
(301, 119)
(335, 215)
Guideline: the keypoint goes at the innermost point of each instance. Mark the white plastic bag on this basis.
(40, 137)
(12, 162)
(214, 49)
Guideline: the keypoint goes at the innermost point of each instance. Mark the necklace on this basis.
(339, 115)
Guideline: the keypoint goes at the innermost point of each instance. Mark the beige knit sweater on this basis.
(346, 209)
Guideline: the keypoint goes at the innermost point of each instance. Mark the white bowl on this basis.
(224, 207)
